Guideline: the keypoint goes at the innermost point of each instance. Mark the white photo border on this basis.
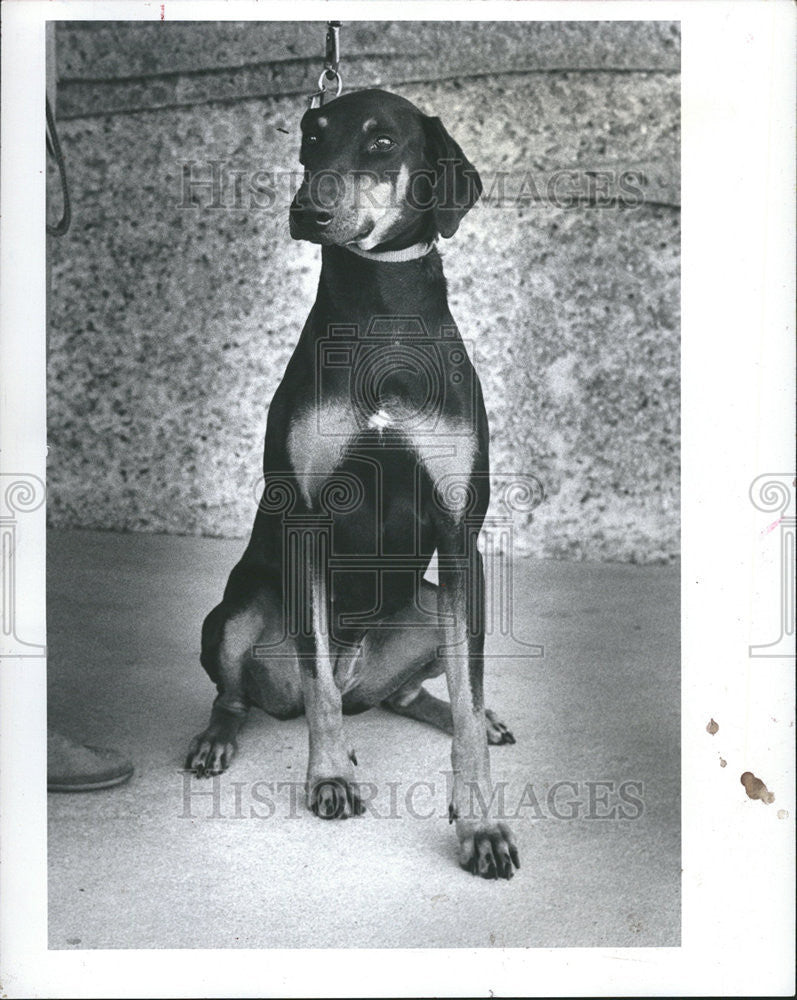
(738, 88)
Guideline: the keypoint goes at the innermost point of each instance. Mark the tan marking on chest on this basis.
(317, 441)
(448, 458)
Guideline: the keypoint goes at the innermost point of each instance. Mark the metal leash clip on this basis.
(330, 76)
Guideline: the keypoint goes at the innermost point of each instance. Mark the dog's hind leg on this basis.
(249, 655)
(403, 654)
(415, 702)
(227, 640)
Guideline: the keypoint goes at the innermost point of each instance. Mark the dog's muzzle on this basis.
(308, 221)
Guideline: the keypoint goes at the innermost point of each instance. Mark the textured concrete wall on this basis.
(172, 321)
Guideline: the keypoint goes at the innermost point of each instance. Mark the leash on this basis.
(54, 148)
(330, 75)
(415, 252)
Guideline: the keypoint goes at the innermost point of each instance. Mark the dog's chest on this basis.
(321, 436)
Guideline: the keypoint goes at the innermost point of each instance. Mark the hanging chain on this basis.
(330, 75)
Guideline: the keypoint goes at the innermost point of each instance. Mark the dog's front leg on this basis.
(331, 790)
(486, 845)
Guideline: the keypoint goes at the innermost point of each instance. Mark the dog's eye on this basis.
(311, 138)
(381, 144)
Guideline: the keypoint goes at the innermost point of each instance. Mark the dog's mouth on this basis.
(301, 231)
(318, 226)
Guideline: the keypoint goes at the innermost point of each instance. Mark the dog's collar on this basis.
(395, 256)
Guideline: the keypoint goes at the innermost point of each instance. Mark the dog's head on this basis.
(378, 171)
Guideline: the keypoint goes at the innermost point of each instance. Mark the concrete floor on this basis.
(149, 865)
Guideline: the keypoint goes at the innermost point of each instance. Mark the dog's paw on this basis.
(210, 753)
(335, 798)
(497, 732)
(489, 851)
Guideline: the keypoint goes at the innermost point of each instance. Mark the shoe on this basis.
(73, 767)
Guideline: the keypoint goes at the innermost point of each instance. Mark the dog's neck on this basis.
(354, 288)
(420, 232)
(416, 240)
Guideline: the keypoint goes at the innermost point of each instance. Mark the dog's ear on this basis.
(456, 184)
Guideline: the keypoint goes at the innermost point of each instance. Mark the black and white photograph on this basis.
(368, 556)
(489, 375)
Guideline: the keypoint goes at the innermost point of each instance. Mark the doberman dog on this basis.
(376, 456)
